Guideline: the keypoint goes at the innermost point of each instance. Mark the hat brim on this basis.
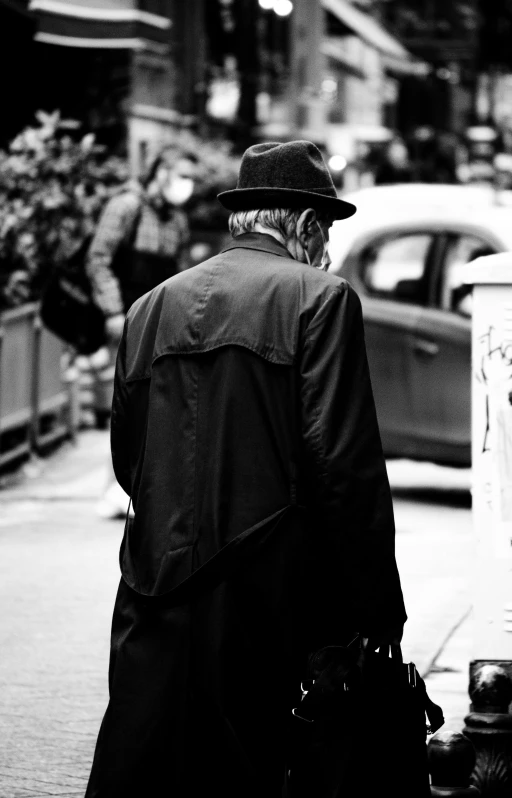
(250, 199)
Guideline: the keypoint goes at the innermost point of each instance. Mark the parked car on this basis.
(405, 253)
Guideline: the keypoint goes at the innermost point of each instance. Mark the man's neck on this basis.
(291, 246)
(259, 228)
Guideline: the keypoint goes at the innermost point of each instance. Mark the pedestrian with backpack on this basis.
(140, 241)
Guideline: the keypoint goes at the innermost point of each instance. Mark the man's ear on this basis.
(305, 226)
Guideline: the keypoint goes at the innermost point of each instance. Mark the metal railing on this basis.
(36, 401)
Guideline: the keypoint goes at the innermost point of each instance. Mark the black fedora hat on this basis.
(285, 175)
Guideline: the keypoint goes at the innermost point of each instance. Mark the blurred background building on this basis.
(349, 74)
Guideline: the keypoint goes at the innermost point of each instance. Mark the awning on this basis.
(400, 67)
(99, 23)
(366, 28)
(333, 48)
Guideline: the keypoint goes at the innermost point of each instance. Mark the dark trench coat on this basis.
(244, 429)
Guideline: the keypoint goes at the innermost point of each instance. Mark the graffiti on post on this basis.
(495, 376)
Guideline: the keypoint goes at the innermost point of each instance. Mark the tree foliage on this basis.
(426, 19)
(495, 51)
(52, 188)
(54, 184)
(487, 22)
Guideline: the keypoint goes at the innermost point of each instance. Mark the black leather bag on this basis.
(68, 308)
(360, 729)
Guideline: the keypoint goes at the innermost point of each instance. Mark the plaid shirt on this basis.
(155, 234)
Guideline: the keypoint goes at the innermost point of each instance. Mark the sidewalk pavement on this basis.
(448, 679)
(444, 662)
(58, 579)
(55, 624)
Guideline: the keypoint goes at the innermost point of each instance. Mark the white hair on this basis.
(283, 220)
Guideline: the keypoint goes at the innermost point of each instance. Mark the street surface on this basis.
(58, 579)
(434, 553)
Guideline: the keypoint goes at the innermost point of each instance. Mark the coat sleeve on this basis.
(349, 493)
(120, 424)
(114, 227)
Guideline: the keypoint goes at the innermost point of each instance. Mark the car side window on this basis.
(395, 267)
(455, 295)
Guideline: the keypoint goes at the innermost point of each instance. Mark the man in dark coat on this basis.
(244, 430)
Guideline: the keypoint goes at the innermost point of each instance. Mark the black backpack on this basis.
(67, 306)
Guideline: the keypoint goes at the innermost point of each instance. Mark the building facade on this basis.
(126, 69)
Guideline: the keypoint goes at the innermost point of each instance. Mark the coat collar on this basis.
(259, 241)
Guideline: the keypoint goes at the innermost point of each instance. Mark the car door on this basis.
(389, 271)
(441, 366)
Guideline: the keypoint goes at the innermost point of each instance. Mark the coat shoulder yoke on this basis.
(260, 299)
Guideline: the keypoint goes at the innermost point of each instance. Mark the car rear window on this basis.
(394, 267)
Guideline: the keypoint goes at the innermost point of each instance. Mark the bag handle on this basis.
(384, 651)
(396, 652)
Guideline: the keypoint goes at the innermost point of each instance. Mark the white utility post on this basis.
(489, 723)
(491, 278)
